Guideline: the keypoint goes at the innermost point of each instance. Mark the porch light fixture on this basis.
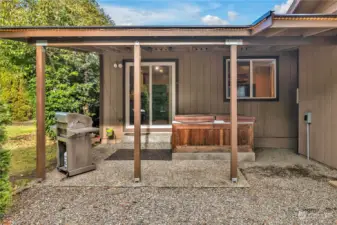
(118, 65)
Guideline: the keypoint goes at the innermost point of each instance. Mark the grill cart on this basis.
(74, 143)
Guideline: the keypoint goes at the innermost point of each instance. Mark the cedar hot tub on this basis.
(210, 133)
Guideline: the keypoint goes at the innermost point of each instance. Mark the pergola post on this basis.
(233, 113)
(40, 113)
(136, 108)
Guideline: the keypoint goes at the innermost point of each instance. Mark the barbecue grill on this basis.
(73, 132)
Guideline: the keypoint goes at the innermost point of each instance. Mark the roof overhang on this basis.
(270, 26)
(48, 32)
(296, 25)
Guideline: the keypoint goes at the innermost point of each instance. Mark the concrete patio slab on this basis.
(187, 173)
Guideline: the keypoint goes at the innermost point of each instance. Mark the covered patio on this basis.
(282, 189)
(270, 33)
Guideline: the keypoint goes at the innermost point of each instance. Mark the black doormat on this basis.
(146, 154)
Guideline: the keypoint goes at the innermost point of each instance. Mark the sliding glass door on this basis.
(157, 94)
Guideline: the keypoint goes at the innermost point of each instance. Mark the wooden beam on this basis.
(283, 48)
(275, 32)
(256, 40)
(147, 49)
(40, 113)
(182, 43)
(315, 32)
(114, 49)
(77, 49)
(263, 26)
(125, 32)
(101, 95)
(100, 49)
(136, 109)
(104, 43)
(233, 113)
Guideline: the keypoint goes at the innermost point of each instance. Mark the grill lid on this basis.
(73, 120)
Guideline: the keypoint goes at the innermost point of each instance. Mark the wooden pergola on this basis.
(276, 31)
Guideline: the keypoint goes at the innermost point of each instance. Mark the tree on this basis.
(14, 93)
(72, 78)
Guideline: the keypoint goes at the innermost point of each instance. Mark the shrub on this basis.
(5, 158)
(5, 186)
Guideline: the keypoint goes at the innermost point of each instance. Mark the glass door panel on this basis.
(161, 95)
(157, 94)
(145, 95)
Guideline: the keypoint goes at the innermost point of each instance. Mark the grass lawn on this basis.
(21, 143)
(14, 131)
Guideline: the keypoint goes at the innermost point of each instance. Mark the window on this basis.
(256, 78)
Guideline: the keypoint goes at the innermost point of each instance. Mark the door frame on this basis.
(150, 63)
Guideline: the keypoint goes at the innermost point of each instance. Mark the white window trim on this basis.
(127, 92)
(251, 60)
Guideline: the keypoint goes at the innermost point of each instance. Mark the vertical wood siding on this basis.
(201, 90)
(318, 94)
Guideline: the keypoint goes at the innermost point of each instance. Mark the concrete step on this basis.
(163, 145)
(226, 156)
(149, 138)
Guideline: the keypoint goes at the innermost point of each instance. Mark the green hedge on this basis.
(5, 158)
(5, 186)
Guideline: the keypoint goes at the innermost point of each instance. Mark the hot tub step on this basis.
(210, 148)
(149, 138)
(226, 156)
(163, 145)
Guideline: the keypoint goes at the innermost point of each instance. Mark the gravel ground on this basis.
(284, 189)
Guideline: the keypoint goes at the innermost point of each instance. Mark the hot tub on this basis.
(193, 133)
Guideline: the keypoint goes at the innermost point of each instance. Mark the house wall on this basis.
(318, 94)
(200, 89)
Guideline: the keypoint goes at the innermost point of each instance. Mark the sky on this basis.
(190, 12)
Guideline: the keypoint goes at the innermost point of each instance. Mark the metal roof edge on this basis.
(263, 17)
(129, 27)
